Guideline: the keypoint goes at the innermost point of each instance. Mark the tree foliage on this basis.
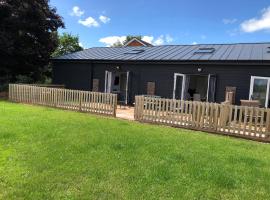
(130, 37)
(28, 36)
(67, 44)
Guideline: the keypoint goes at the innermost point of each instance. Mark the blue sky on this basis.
(102, 22)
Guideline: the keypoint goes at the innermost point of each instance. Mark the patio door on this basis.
(259, 90)
(108, 82)
(179, 86)
(127, 87)
(211, 88)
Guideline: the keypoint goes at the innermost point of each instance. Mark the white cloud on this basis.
(159, 40)
(89, 22)
(81, 44)
(109, 41)
(257, 24)
(229, 21)
(169, 39)
(104, 19)
(76, 11)
(148, 39)
(194, 43)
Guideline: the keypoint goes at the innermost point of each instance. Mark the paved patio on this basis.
(125, 112)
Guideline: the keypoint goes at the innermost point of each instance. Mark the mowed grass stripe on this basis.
(47, 153)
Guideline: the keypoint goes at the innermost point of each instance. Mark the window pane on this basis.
(260, 90)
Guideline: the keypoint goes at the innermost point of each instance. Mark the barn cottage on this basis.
(187, 72)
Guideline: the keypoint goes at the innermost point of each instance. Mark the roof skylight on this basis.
(204, 50)
(135, 51)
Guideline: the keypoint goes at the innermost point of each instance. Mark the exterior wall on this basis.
(135, 44)
(163, 76)
(73, 75)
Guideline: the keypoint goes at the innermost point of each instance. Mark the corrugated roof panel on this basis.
(116, 53)
(157, 54)
(169, 52)
(236, 51)
(148, 52)
(156, 50)
(246, 52)
(231, 52)
(179, 50)
(225, 55)
(130, 53)
(257, 53)
(186, 54)
(219, 52)
(162, 54)
(209, 56)
(266, 49)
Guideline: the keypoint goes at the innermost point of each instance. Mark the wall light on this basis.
(199, 69)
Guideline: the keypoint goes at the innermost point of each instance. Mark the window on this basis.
(268, 49)
(259, 90)
(204, 50)
(135, 51)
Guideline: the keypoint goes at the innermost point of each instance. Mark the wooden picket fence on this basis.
(241, 121)
(83, 101)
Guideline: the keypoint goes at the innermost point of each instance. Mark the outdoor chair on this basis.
(197, 97)
(251, 103)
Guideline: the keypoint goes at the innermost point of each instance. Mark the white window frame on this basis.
(252, 87)
(208, 84)
(127, 84)
(183, 84)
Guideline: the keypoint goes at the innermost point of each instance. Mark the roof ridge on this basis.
(185, 45)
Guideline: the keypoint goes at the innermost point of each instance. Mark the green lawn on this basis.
(47, 153)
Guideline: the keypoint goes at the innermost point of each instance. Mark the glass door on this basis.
(259, 90)
(179, 86)
(108, 81)
(211, 88)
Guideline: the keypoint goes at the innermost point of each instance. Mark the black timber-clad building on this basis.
(188, 72)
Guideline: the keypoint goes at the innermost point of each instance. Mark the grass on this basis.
(54, 154)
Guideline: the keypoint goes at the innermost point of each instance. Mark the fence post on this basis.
(268, 122)
(114, 104)
(80, 101)
(141, 107)
(138, 108)
(9, 92)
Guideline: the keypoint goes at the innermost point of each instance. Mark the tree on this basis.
(28, 36)
(128, 38)
(67, 44)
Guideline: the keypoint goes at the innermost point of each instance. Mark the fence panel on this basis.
(84, 101)
(248, 122)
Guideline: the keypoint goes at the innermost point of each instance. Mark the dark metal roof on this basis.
(221, 52)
